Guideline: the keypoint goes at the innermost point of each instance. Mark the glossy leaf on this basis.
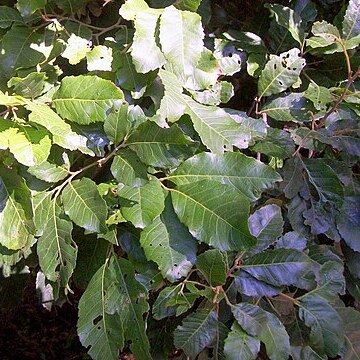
(141, 205)
(220, 220)
(168, 243)
(84, 205)
(327, 335)
(248, 176)
(266, 224)
(212, 264)
(277, 267)
(197, 331)
(85, 99)
(241, 346)
(266, 327)
(161, 147)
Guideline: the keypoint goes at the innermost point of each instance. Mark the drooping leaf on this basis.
(280, 72)
(141, 205)
(85, 99)
(84, 205)
(266, 224)
(277, 267)
(266, 327)
(327, 334)
(219, 220)
(240, 346)
(55, 248)
(129, 299)
(161, 147)
(197, 331)
(248, 176)
(168, 243)
(212, 265)
(97, 327)
(16, 225)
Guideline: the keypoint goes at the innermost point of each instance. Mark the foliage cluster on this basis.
(193, 169)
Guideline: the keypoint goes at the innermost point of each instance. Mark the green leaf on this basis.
(161, 309)
(56, 250)
(9, 16)
(214, 213)
(181, 38)
(198, 330)
(28, 145)
(266, 327)
(221, 92)
(30, 86)
(212, 265)
(16, 225)
(327, 334)
(288, 19)
(168, 243)
(97, 327)
(99, 58)
(351, 320)
(289, 107)
(266, 224)
(61, 131)
(240, 346)
(129, 299)
(305, 353)
(249, 176)
(277, 143)
(191, 5)
(319, 95)
(280, 72)
(128, 169)
(85, 99)
(145, 52)
(277, 267)
(351, 23)
(48, 172)
(28, 7)
(76, 49)
(141, 205)
(217, 129)
(348, 221)
(84, 205)
(18, 49)
(248, 285)
(161, 147)
(324, 179)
